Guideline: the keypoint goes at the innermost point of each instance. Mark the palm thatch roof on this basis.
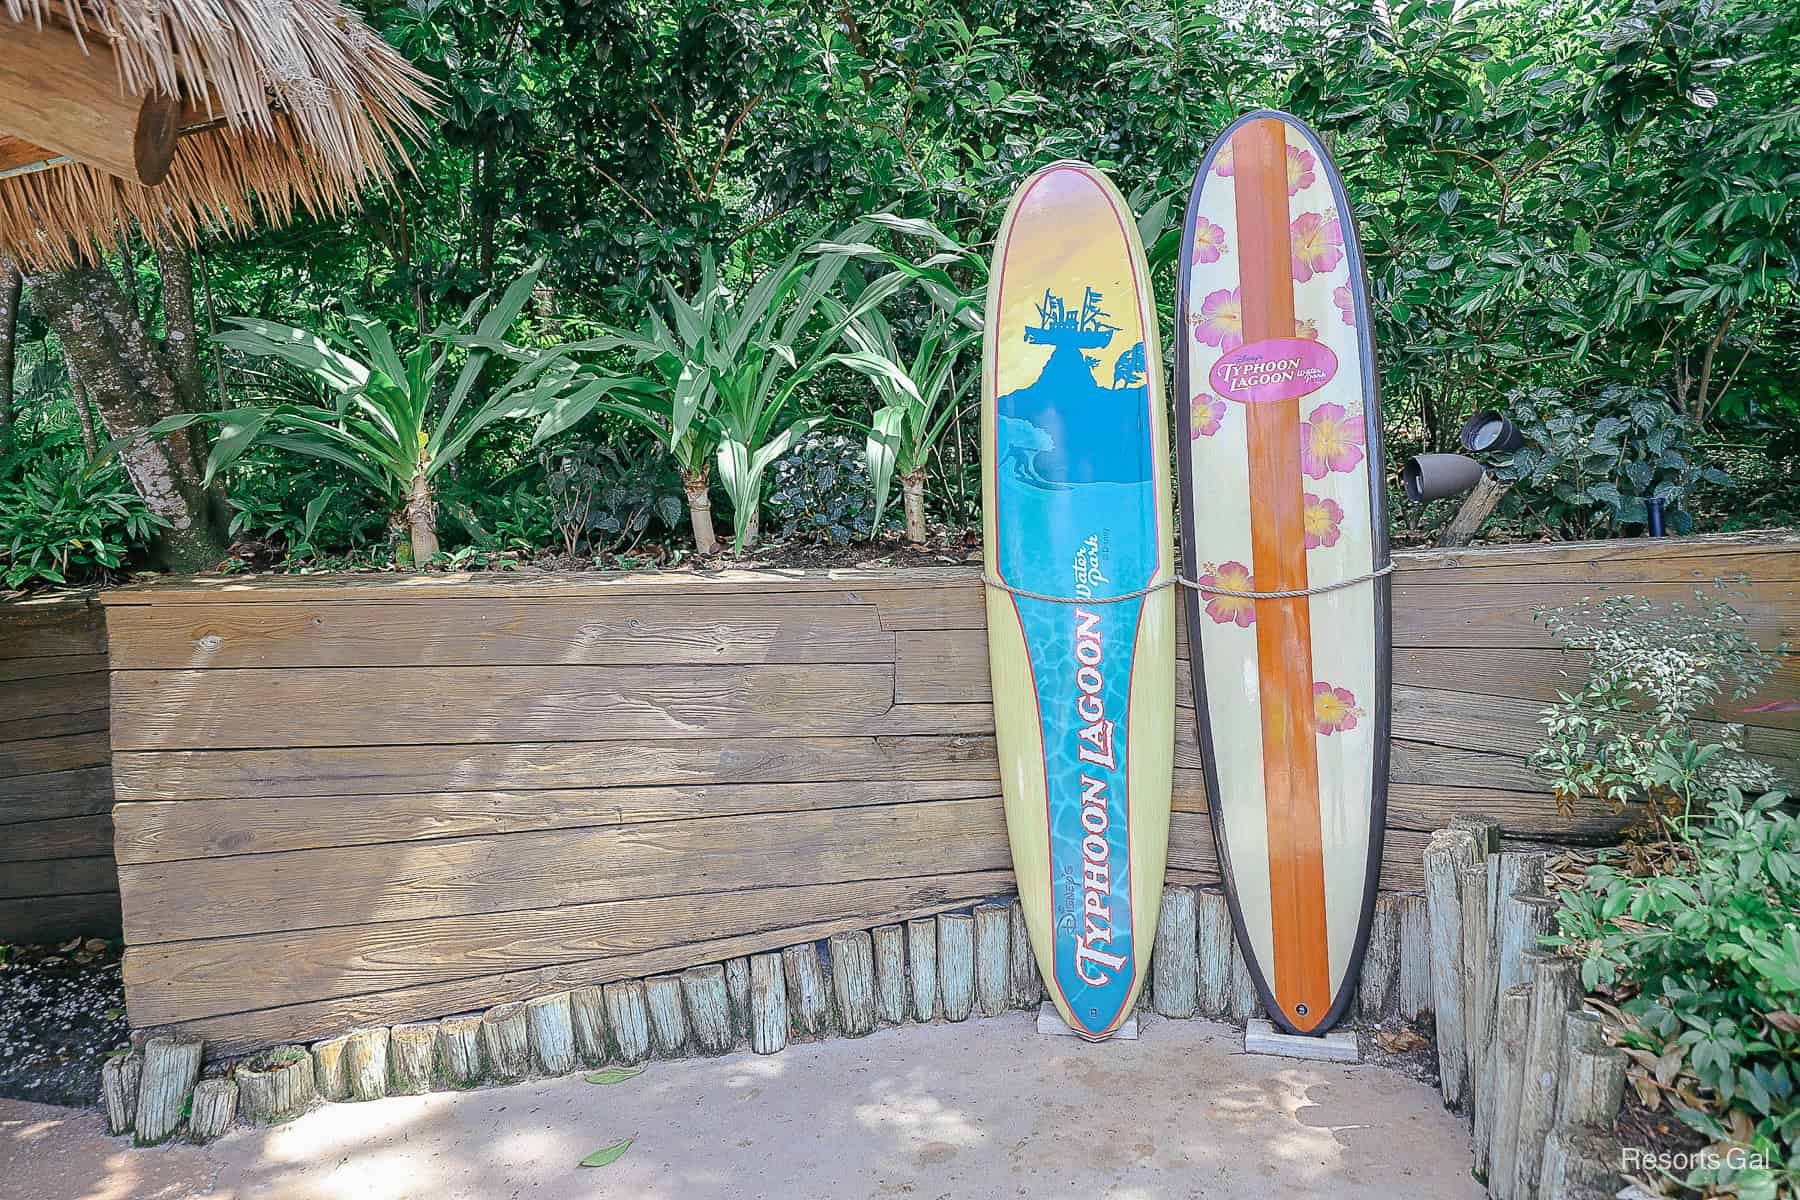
(182, 116)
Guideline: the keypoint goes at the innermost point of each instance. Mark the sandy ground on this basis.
(982, 1109)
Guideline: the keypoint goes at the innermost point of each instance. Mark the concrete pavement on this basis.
(981, 1109)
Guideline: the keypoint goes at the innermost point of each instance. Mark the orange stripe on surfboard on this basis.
(1302, 977)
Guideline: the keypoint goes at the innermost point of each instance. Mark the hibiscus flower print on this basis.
(1209, 241)
(1229, 610)
(1222, 162)
(1334, 709)
(1307, 328)
(1300, 170)
(1317, 242)
(1206, 414)
(1346, 303)
(1331, 439)
(1221, 321)
(1320, 517)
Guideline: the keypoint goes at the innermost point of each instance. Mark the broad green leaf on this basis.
(608, 1155)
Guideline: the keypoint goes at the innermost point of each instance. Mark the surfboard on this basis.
(1282, 490)
(1081, 639)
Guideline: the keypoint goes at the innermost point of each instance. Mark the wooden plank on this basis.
(66, 837)
(38, 756)
(239, 1033)
(303, 889)
(1618, 560)
(53, 666)
(78, 793)
(167, 831)
(1524, 814)
(173, 710)
(51, 626)
(52, 695)
(1422, 764)
(495, 631)
(56, 918)
(362, 771)
(52, 725)
(59, 876)
(1500, 614)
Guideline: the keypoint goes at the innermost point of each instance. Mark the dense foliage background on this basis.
(1581, 213)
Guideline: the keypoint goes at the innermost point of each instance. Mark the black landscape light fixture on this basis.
(1490, 432)
(1435, 476)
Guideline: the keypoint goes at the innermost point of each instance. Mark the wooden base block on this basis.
(1051, 1024)
(1339, 1045)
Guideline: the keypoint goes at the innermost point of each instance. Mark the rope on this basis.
(1207, 589)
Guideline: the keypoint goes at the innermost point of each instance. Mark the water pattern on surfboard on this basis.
(1279, 438)
(1078, 487)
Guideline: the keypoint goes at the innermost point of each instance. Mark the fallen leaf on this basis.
(615, 1075)
(1400, 1041)
(1787, 1022)
(611, 1154)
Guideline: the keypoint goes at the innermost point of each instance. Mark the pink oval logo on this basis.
(1277, 369)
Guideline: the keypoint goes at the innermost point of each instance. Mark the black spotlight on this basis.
(1489, 432)
(1434, 476)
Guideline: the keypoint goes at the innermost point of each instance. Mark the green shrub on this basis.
(1704, 955)
(61, 523)
(822, 493)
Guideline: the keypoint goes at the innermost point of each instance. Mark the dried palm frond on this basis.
(301, 107)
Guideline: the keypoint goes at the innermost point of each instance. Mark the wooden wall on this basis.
(354, 801)
(56, 868)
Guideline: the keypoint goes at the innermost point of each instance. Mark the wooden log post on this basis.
(921, 958)
(1511, 1030)
(1593, 1082)
(1509, 874)
(550, 1022)
(627, 1022)
(213, 1110)
(853, 982)
(1474, 511)
(956, 964)
(1212, 954)
(1378, 989)
(890, 974)
(119, 1078)
(668, 1020)
(330, 1077)
(1447, 854)
(459, 1050)
(171, 1065)
(1176, 955)
(1026, 988)
(768, 1005)
(587, 1015)
(809, 1000)
(737, 986)
(707, 999)
(412, 1058)
(1415, 958)
(1555, 990)
(1244, 1002)
(1485, 831)
(366, 1063)
(1478, 1012)
(505, 1042)
(1581, 1164)
(993, 966)
(275, 1086)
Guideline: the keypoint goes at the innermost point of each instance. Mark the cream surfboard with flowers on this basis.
(1282, 492)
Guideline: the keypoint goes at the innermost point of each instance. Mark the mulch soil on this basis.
(62, 1011)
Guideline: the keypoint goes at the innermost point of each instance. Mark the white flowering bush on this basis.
(1631, 732)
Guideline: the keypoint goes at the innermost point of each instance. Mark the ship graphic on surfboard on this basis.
(1076, 493)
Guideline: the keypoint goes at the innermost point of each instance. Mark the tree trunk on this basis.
(11, 281)
(421, 516)
(84, 416)
(129, 379)
(912, 493)
(181, 337)
(699, 502)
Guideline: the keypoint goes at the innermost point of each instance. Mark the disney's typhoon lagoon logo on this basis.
(1095, 751)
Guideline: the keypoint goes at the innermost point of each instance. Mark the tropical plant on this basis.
(383, 416)
(605, 499)
(1703, 958)
(820, 492)
(727, 368)
(1630, 733)
(61, 523)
